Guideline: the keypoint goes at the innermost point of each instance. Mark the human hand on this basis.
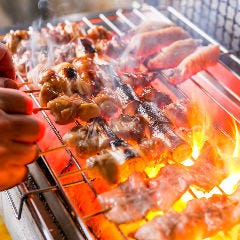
(19, 131)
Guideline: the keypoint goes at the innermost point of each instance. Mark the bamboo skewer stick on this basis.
(52, 150)
(72, 173)
(23, 84)
(38, 109)
(32, 91)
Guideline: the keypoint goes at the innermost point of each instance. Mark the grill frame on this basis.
(50, 187)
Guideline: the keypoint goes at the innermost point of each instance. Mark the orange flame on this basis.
(200, 125)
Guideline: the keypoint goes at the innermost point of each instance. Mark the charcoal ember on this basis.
(128, 202)
(129, 127)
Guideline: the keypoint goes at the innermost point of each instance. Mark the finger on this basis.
(20, 127)
(11, 176)
(15, 153)
(6, 64)
(14, 101)
(8, 83)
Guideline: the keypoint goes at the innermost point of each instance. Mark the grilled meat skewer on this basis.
(202, 58)
(172, 55)
(201, 219)
(148, 43)
(162, 191)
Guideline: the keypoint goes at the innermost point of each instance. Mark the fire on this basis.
(236, 152)
(200, 124)
(229, 185)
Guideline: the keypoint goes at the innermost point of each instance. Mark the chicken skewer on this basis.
(172, 55)
(204, 57)
(136, 196)
(147, 43)
(201, 219)
(89, 143)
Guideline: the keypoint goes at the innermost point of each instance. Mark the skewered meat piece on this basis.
(14, 38)
(101, 37)
(74, 29)
(202, 58)
(115, 47)
(52, 86)
(78, 83)
(172, 55)
(161, 127)
(64, 53)
(138, 80)
(160, 228)
(90, 73)
(166, 188)
(172, 181)
(153, 150)
(129, 127)
(63, 79)
(84, 46)
(201, 219)
(108, 104)
(145, 44)
(115, 165)
(177, 112)
(87, 140)
(63, 33)
(97, 33)
(66, 109)
(128, 202)
(209, 170)
(151, 25)
(150, 94)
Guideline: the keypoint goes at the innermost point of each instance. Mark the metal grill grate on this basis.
(218, 18)
(123, 17)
